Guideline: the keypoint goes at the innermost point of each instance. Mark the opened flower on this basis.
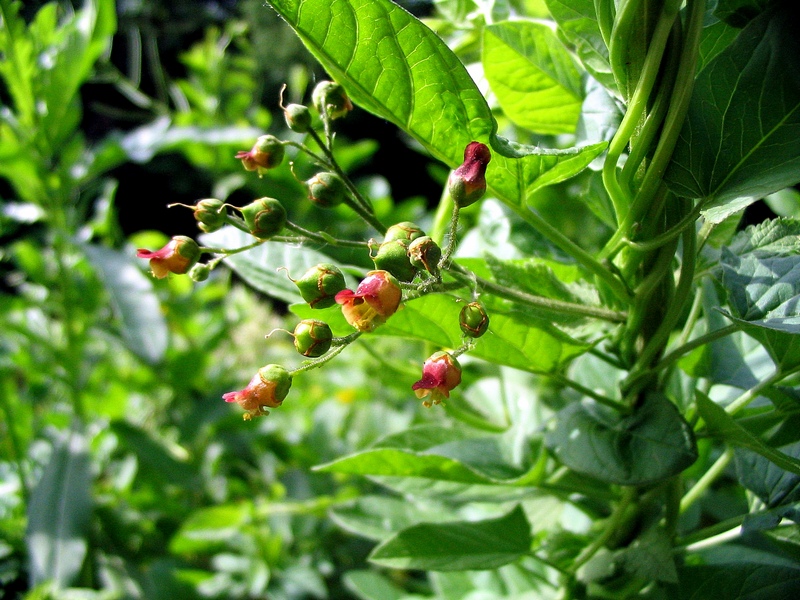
(376, 299)
(467, 183)
(440, 374)
(178, 256)
(266, 153)
(267, 389)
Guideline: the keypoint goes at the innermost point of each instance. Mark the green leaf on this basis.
(59, 513)
(761, 272)
(379, 517)
(165, 465)
(395, 67)
(532, 76)
(741, 138)
(260, 266)
(713, 40)
(723, 426)
(580, 30)
(773, 485)
(369, 585)
(648, 446)
(458, 546)
(210, 529)
(142, 322)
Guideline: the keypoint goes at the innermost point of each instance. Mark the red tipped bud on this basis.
(375, 300)
(319, 285)
(330, 100)
(467, 183)
(424, 253)
(267, 389)
(406, 231)
(266, 153)
(178, 256)
(473, 320)
(312, 338)
(264, 217)
(210, 214)
(440, 374)
(393, 257)
(298, 117)
(326, 189)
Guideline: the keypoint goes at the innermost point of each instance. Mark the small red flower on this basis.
(178, 256)
(267, 389)
(467, 183)
(376, 299)
(440, 374)
(266, 153)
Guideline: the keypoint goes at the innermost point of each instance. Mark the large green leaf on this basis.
(59, 513)
(459, 546)
(724, 426)
(741, 138)
(761, 272)
(142, 322)
(395, 67)
(773, 485)
(651, 445)
(533, 76)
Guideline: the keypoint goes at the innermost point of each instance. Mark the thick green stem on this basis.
(709, 477)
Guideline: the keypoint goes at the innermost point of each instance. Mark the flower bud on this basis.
(424, 253)
(298, 117)
(330, 100)
(264, 217)
(267, 389)
(200, 272)
(326, 189)
(473, 320)
(406, 230)
(440, 374)
(319, 285)
(393, 257)
(177, 256)
(312, 338)
(376, 299)
(210, 214)
(467, 183)
(266, 153)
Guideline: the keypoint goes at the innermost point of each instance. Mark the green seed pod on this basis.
(473, 320)
(312, 338)
(330, 100)
(298, 117)
(264, 217)
(393, 257)
(210, 214)
(326, 189)
(199, 272)
(406, 230)
(320, 284)
(424, 253)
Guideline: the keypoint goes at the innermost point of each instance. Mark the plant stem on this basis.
(695, 343)
(613, 522)
(754, 391)
(615, 404)
(322, 238)
(6, 391)
(706, 480)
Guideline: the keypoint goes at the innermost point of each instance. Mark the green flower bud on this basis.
(393, 257)
(312, 338)
(326, 189)
(266, 153)
(424, 253)
(210, 214)
(264, 217)
(330, 100)
(406, 230)
(473, 320)
(200, 272)
(319, 285)
(298, 117)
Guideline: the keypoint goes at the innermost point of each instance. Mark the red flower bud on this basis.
(440, 374)
(178, 256)
(467, 183)
(267, 389)
(376, 299)
(266, 153)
